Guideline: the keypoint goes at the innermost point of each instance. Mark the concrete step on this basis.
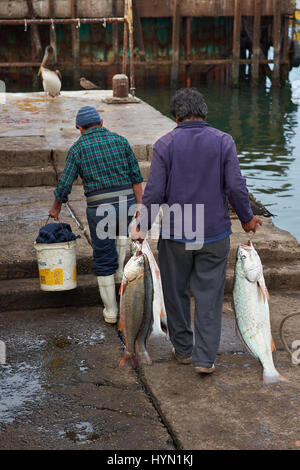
(25, 176)
(144, 167)
(25, 294)
(20, 177)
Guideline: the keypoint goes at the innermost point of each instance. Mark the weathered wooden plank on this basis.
(147, 8)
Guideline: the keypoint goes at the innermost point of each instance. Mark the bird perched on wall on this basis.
(51, 79)
(257, 208)
(87, 85)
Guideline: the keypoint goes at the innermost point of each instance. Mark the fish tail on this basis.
(143, 358)
(273, 379)
(128, 359)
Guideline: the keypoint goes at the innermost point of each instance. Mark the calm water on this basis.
(265, 125)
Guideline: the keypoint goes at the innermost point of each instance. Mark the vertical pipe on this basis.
(175, 44)
(188, 50)
(256, 42)
(236, 43)
(75, 43)
(276, 41)
(115, 33)
(131, 46)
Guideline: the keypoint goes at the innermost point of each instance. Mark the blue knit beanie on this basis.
(87, 115)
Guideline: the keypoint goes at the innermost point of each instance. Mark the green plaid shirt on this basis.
(103, 159)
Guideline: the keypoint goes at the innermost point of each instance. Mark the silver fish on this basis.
(136, 316)
(250, 297)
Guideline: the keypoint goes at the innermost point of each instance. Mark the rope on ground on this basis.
(281, 332)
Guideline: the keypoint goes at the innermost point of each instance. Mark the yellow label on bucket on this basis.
(51, 278)
(74, 274)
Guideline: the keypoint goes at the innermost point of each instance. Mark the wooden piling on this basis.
(236, 50)
(52, 28)
(34, 30)
(125, 40)
(276, 41)
(256, 42)
(188, 50)
(75, 44)
(138, 31)
(131, 46)
(175, 44)
(115, 33)
(285, 51)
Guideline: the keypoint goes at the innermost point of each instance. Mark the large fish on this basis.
(136, 301)
(250, 297)
(159, 310)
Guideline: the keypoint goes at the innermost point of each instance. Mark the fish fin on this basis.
(120, 326)
(143, 358)
(267, 294)
(128, 359)
(122, 288)
(239, 334)
(273, 379)
(273, 346)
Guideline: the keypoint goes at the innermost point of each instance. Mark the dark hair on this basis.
(188, 103)
(92, 124)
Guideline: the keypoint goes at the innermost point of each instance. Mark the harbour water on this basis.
(265, 125)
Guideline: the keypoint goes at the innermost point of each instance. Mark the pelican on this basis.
(51, 79)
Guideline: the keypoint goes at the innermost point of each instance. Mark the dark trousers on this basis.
(204, 271)
(104, 250)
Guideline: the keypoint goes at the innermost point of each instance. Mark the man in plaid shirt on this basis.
(111, 178)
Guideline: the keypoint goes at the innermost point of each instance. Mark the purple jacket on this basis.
(197, 164)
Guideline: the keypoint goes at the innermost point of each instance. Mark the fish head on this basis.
(249, 262)
(135, 266)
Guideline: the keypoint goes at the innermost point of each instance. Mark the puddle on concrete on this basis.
(81, 433)
(20, 386)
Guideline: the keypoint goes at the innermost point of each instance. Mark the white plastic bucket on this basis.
(57, 265)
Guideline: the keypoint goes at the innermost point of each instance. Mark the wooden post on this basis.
(236, 43)
(34, 29)
(115, 33)
(138, 30)
(175, 44)
(276, 41)
(256, 42)
(125, 40)
(131, 46)
(75, 44)
(285, 50)
(188, 50)
(52, 28)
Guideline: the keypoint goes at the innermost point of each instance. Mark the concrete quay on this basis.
(61, 386)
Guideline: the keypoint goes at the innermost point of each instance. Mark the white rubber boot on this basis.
(108, 295)
(121, 244)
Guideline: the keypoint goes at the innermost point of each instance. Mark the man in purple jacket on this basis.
(195, 166)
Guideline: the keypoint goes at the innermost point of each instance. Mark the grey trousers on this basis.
(204, 272)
